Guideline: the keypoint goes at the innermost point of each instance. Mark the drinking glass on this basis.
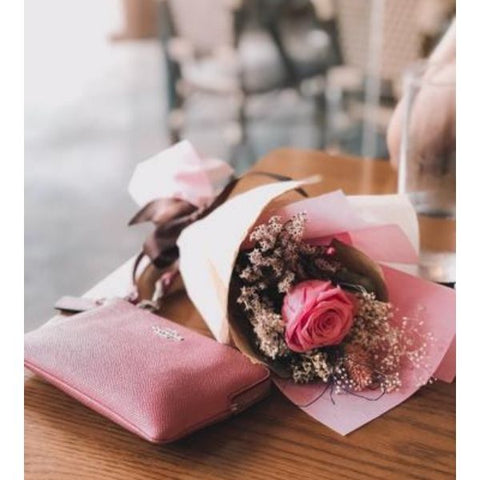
(427, 164)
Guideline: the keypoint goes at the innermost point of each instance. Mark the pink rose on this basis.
(317, 314)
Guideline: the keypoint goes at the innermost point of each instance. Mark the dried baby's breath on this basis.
(269, 328)
(375, 350)
(311, 366)
(287, 282)
(378, 348)
(270, 266)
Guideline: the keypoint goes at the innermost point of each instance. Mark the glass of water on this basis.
(427, 164)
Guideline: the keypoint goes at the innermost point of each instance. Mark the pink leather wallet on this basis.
(154, 377)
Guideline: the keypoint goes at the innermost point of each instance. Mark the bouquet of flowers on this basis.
(321, 312)
(316, 289)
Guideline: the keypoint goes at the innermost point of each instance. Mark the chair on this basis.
(378, 40)
(239, 49)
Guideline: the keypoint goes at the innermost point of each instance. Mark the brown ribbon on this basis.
(171, 215)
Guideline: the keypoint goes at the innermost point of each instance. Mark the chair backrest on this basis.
(206, 24)
(397, 30)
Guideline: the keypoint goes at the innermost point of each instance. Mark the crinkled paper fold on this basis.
(209, 248)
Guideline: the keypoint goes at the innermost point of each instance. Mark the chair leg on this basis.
(321, 118)
(242, 119)
(333, 101)
(175, 124)
(175, 101)
(242, 155)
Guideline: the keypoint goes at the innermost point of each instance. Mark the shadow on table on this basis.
(60, 429)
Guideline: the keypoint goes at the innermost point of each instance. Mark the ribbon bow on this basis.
(191, 188)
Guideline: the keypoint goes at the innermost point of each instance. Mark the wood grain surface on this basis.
(273, 439)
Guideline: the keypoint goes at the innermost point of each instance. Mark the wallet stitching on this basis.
(224, 414)
(231, 396)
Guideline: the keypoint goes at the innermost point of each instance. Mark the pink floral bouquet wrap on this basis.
(322, 292)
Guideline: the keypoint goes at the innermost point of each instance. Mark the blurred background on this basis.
(109, 83)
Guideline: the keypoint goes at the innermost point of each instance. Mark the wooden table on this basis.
(272, 440)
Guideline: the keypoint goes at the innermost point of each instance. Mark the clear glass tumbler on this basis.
(427, 164)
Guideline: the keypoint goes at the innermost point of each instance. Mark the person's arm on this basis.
(433, 115)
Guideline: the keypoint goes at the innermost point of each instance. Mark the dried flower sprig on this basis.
(268, 271)
(376, 348)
